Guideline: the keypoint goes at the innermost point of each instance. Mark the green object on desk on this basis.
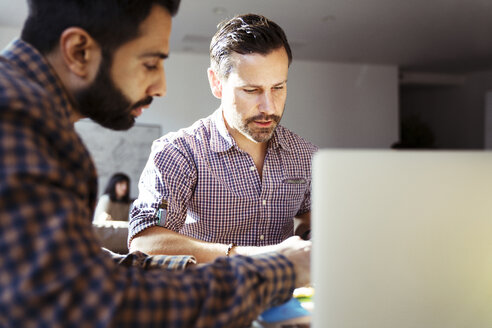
(304, 299)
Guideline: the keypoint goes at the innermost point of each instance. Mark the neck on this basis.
(257, 150)
(67, 82)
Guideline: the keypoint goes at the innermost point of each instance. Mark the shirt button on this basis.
(252, 168)
(264, 202)
(262, 237)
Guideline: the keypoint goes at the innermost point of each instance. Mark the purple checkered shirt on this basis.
(213, 189)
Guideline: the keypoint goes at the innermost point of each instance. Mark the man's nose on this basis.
(267, 104)
(158, 88)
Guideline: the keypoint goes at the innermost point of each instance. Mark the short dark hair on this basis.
(110, 187)
(110, 22)
(245, 34)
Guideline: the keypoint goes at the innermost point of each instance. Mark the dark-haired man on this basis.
(234, 182)
(103, 60)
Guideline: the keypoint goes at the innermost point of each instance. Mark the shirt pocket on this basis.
(291, 194)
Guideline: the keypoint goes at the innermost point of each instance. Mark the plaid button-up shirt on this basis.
(213, 190)
(53, 272)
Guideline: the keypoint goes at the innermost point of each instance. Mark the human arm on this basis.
(102, 209)
(224, 293)
(302, 221)
(158, 240)
(302, 225)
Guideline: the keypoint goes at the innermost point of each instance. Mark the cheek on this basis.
(280, 96)
(280, 101)
(134, 87)
(130, 82)
(245, 103)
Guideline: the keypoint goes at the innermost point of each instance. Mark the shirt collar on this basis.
(221, 140)
(35, 66)
(279, 139)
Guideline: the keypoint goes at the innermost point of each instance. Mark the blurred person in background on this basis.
(114, 203)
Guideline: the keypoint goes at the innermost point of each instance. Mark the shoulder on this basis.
(198, 131)
(186, 142)
(22, 95)
(103, 201)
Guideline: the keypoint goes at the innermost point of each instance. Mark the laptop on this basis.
(402, 239)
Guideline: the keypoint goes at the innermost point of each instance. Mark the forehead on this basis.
(257, 69)
(154, 34)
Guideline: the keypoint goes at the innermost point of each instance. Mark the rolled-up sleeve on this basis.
(169, 176)
(142, 260)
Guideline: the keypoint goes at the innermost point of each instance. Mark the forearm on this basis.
(230, 292)
(102, 216)
(302, 225)
(161, 241)
(157, 241)
(101, 213)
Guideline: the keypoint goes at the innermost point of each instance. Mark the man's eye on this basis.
(279, 87)
(250, 90)
(150, 67)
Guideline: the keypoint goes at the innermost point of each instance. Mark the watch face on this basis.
(162, 213)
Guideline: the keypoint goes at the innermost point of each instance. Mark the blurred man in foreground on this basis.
(102, 60)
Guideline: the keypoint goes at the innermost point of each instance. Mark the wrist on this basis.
(230, 249)
(306, 235)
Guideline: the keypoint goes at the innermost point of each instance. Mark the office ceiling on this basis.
(443, 36)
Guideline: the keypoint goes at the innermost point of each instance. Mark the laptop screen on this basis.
(402, 239)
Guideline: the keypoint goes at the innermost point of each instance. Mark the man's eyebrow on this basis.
(259, 86)
(283, 82)
(158, 54)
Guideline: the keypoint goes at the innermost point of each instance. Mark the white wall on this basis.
(329, 104)
(7, 34)
(343, 105)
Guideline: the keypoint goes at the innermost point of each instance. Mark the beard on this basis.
(258, 134)
(104, 103)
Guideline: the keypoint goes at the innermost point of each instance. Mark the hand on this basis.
(298, 251)
(103, 217)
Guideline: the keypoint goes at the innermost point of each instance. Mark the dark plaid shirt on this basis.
(53, 272)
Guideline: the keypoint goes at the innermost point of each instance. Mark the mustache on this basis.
(143, 102)
(260, 117)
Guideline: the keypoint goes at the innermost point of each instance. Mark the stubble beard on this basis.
(260, 135)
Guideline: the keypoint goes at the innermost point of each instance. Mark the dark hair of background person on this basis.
(110, 22)
(245, 34)
(111, 190)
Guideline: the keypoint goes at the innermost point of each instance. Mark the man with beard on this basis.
(102, 60)
(232, 183)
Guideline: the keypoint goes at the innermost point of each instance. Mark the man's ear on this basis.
(215, 83)
(80, 52)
